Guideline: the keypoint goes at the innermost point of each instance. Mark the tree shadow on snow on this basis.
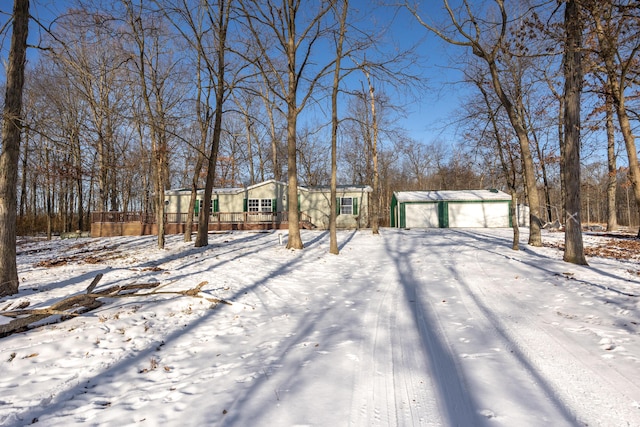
(243, 400)
(456, 399)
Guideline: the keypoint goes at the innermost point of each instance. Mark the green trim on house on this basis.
(394, 206)
(443, 214)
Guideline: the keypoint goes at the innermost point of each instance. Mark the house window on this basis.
(346, 206)
(200, 204)
(259, 205)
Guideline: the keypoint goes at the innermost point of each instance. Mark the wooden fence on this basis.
(105, 224)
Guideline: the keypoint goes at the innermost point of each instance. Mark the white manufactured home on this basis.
(267, 203)
(450, 209)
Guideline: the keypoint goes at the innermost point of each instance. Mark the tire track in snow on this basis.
(456, 404)
(492, 360)
(408, 375)
(374, 379)
(391, 386)
(559, 364)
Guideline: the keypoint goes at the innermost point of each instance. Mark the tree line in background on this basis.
(126, 99)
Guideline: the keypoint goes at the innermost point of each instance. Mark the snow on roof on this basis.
(187, 191)
(236, 190)
(341, 188)
(450, 195)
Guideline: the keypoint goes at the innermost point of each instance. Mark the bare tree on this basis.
(91, 59)
(612, 182)
(488, 44)
(153, 70)
(337, 71)
(373, 143)
(280, 41)
(219, 21)
(10, 149)
(204, 26)
(573, 249)
(497, 137)
(617, 31)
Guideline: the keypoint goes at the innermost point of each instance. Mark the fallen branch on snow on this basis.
(79, 304)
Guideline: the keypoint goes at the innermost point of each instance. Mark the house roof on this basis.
(237, 190)
(187, 191)
(341, 188)
(450, 195)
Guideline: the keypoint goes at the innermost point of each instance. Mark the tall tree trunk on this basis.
(535, 236)
(103, 171)
(277, 168)
(49, 201)
(632, 152)
(204, 124)
(608, 51)
(295, 240)
(23, 182)
(193, 198)
(612, 182)
(252, 173)
(573, 248)
(202, 239)
(77, 159)
(333, 205)
(375, 205)
(10, 154)
(545, 179)
(563, 178)
(156, 118)
(508, 168)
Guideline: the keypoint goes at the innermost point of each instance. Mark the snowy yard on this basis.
(438, 327)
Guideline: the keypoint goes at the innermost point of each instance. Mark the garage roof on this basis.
(450, 196)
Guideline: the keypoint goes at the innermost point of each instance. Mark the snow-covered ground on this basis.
(408, 328)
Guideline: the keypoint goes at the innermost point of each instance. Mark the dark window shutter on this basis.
(216, 206)
(355, 206)
(244, 205)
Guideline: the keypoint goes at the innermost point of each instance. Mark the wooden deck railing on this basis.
(181, 218)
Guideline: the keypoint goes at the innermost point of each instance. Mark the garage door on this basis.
(478, 215)
(421, 215)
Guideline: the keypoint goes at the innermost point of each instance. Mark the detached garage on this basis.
(450, 209)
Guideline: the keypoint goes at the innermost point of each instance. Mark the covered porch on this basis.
(108, 224)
